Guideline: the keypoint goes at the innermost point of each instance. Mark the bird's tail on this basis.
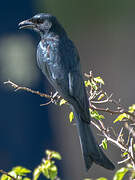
(90, 149)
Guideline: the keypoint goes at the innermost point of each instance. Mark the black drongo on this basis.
(59, 61)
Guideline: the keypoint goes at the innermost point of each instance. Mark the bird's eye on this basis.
(37, 20)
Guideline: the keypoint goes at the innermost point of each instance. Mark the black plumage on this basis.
(59, 61)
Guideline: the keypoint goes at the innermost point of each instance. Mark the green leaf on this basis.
(104, 143)
(99, 80)
(5, 177)
(56, 155)
(21, 171)
(100, 97)
(45, 168)
(121, 117)
(101, 178)
(71, 116)
(87, 83)
(96, 115)
(62, 101)
(124, 154)
(53, 172)
(26, 178)
(37, 173)
(49, 170)
(120, 174)
(53, 154)
(132, 108)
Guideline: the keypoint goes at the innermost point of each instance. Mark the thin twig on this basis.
(113, 141)
(27, 89)
(112, 111)
(4, 172)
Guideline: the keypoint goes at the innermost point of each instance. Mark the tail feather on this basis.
(90, 149)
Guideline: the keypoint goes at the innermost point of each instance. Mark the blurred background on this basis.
(103, 32)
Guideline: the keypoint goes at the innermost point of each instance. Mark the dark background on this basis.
(103, 32)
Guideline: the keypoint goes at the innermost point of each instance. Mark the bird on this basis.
(59, 61)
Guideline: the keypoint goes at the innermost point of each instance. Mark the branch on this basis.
(112, 111)
(16, 87)
(116, 142)
(54, 98)
(7, 174)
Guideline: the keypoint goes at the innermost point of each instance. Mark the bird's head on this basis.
(42, 23)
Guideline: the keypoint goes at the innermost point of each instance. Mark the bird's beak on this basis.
(26, 24)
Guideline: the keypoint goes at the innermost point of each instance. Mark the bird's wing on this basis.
(77, 89)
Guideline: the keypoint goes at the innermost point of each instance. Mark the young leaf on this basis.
(100, 97)
(104, 143)
(120, 174)
(62, 101)
(53, 154)
(124, 154)
(101, 178)
(37, 173)
(26, 178)
(132, 108)
(121, 117)
(56, 155)
(96, 115)
(53, 172)
(49, 170)
(71, 116)
(99, 80)
(45, 168)
(5, 177)
(21, 171)
(87, 83)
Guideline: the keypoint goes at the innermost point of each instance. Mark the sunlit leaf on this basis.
(53, 154)
(96, 115)
(53, 172)
(101, 178)
(99, 80)
(87, 83)
(100, 97)
(21, 171)
(120, 174)
(5, 177)
(56, 155)
(124, 154)
(26, 178)
(121, 117)
(132, 108)
(71, 116)
(37, 173)
(62, 101)
(104, 143)
(49, 170)
(45, 168)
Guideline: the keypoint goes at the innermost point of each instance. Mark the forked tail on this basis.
(90, 149)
